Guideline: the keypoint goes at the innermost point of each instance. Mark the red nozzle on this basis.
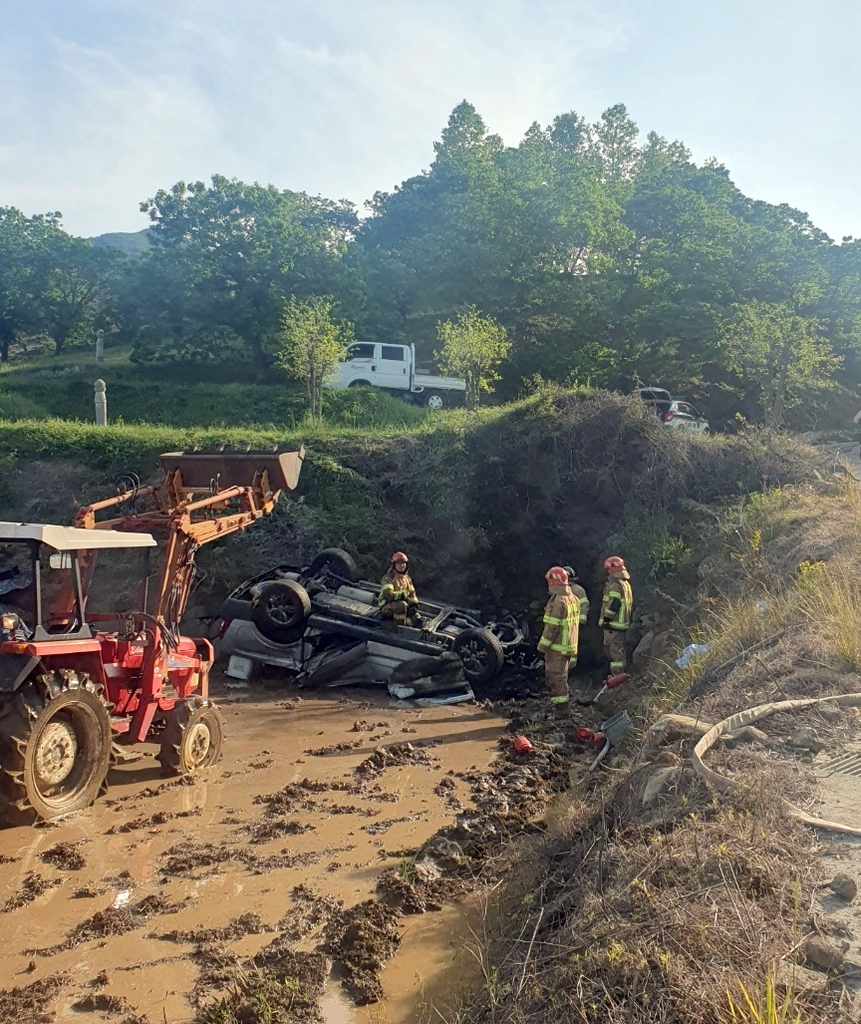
(617, 680)
(584, 735)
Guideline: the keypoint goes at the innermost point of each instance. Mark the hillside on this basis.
(130, 243)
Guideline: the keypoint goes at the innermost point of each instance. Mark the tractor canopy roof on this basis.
(66, 538)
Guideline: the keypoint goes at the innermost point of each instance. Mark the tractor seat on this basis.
(335, 604)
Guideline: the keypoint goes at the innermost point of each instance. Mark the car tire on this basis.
(481, 654)
(337, 561)
(434, 401)
(281, 610)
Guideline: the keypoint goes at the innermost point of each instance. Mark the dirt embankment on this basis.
(664, 895)
(482, 505)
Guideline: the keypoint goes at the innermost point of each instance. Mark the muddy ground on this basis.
(137, 909)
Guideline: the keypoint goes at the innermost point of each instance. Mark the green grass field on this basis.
(61, 388)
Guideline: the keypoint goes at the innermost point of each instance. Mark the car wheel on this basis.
(337, 561)
(280, 611)
(434, 401)
(481, 654)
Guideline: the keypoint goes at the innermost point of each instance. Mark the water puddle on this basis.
(201, 856)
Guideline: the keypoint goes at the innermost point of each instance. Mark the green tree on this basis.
(78, 289)
(312, 344)
(473, 347)
(783, 355)
(24, 245)
(223, 258)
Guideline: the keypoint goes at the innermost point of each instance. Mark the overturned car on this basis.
(323, 623)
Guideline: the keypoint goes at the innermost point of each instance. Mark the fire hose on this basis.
(743, 718)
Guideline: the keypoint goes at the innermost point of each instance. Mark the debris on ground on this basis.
(844, 886)
(32, 1003)
(65, 856)
(278, 984)
(394, 756)
(361, 939)
(236, 928)
(32, 886)
(112, 921)
(309, 912)
(151, 821)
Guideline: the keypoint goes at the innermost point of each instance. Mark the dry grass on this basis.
(650, 920)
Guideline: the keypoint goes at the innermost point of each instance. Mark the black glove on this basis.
(605, 623)
(415, 616)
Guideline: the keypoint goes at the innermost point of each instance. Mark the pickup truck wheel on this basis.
(280, 611)
(434, 401)
(360, 384)
(335, 560)
(481, 654)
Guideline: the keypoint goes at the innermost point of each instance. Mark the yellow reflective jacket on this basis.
(616, 604)
(397, 586)
(580, 594)
(561, 623)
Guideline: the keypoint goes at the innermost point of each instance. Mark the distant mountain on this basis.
(132, 243)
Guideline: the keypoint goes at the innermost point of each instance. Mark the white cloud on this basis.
(335, 97)
(106, 101)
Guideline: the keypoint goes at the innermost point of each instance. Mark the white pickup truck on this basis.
(393, 367)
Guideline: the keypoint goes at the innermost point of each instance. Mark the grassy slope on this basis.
(177, 395)
(483, 502)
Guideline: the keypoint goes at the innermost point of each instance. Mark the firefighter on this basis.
(579, 593)
(616, 608)
(558, 642)
(398, 602)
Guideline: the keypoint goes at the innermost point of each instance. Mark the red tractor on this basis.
(78, 685)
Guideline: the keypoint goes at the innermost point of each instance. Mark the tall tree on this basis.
(24, 248)
(78, 289)
(230, 254)
(781, 354)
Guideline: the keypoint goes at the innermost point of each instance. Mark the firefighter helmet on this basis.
(556, 576)
(398, 556)
(572, 574)
(614, 564)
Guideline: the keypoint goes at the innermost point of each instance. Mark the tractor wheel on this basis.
(280, 611)
(335, 560)
(481, 653)
(192, 738)
(55, 747)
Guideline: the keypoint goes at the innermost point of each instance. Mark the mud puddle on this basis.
(150, 904)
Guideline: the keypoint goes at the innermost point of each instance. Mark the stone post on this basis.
(101, 403)
(100, 346)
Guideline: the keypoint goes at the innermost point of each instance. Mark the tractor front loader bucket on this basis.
(205, 471)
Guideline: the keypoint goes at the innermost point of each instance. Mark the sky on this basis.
(103, 102)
